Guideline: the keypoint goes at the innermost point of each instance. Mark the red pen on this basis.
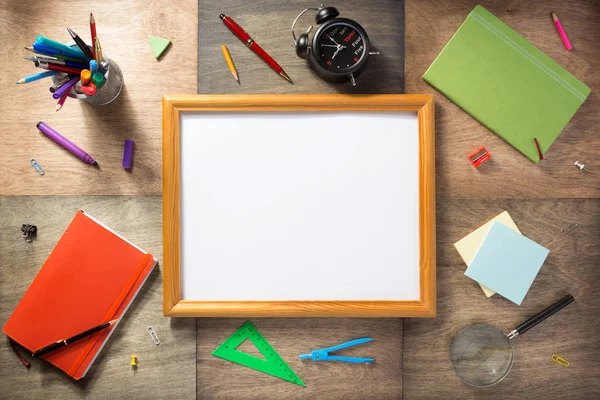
(252, 45)
(59, 68)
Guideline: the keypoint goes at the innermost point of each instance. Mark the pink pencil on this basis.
(62, 100)
(561, 32)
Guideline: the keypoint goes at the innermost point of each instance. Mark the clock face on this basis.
(340, 47)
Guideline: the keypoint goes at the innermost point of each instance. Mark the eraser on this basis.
(128, 154)
(158, 45)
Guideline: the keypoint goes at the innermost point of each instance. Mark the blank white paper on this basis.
(299, 206)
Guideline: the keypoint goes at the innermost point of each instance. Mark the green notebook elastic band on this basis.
(506, 83)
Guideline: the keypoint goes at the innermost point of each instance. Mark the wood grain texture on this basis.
(427, 221)
(171, 231)
(298, 102)
(166, 368)
(174, 105)
(269, 23)
(221, 379)
(429, 26)
(136, 115)
(123, 28)
(333, 308)
(571, 267)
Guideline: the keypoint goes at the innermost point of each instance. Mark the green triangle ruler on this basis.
(272, 364)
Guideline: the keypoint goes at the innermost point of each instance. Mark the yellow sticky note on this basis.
(467, 247)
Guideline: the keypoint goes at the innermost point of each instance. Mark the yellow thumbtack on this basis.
(134, 361)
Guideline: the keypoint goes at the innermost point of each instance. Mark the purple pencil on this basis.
(65, 88)
(65, 143)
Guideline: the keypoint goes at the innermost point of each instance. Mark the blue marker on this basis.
(93, 66)
(66, 49)
(51, 51)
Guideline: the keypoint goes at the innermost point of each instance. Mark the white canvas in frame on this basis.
(299, 206)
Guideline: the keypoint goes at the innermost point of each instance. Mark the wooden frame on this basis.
(173, 106)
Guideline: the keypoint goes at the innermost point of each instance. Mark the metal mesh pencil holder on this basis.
(113, 84)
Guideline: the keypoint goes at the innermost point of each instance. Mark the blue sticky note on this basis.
(507, 262)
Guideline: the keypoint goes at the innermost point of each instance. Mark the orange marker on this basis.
(86, 76)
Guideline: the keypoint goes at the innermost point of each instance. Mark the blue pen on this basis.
(93, 66)
(323, 354)
(37, 76)
(51, 51)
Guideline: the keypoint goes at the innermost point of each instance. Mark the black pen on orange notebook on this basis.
(252, 45)
(65, 342)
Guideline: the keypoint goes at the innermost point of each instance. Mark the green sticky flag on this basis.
(158, 45)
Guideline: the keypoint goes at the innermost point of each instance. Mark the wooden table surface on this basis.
(412, 354)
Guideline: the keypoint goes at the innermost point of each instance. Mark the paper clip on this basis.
(36, 165)
(153, 335)
(565, 231)
(559, 360)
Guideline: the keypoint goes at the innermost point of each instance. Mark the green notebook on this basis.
(506, 83)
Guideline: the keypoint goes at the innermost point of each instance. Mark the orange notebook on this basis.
(91, 277)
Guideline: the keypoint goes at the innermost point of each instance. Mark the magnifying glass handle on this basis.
(533, 321)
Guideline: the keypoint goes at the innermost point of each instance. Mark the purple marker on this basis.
(128, 154)
(65, 143)
(65, 88)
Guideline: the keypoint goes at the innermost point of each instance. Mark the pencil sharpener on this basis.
(479, 157)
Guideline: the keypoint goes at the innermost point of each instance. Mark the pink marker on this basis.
(561, 32)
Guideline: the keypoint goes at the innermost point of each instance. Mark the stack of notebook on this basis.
(506, 83)
(91, 277)
(501, 259)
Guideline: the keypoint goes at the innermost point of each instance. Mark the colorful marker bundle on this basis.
(80, 66)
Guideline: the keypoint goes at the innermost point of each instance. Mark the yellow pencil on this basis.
(98, 51)
(230, 63)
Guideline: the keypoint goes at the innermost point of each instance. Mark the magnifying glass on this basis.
(482, 355)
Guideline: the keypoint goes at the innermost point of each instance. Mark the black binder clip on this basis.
(29, 232)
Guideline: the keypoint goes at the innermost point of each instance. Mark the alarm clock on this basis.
(338, 51)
